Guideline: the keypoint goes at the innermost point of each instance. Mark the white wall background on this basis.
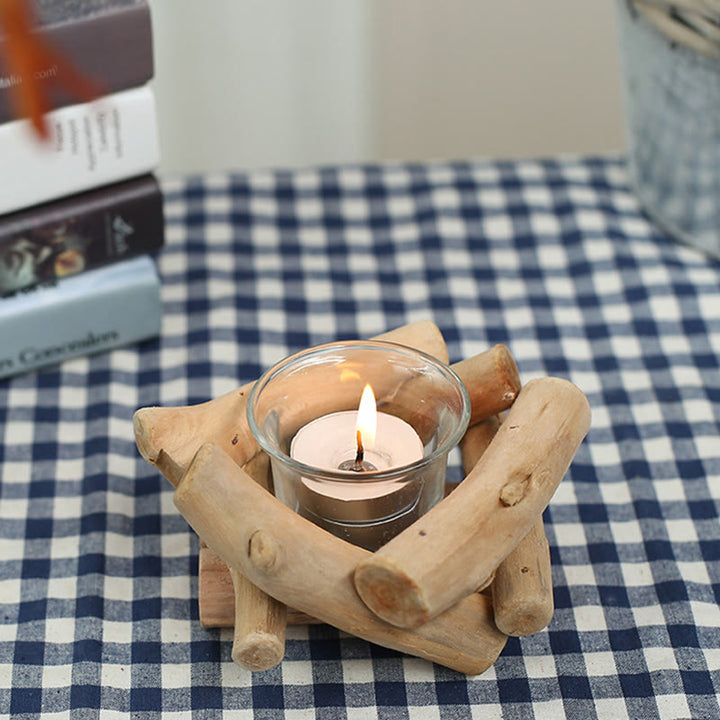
(243, 84)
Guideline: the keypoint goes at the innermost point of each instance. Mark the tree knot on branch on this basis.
(515, 489)
(263, 552)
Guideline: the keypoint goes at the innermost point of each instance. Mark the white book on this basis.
(92, 144)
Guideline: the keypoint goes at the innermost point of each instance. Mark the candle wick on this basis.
(360, 456)
(359, 464)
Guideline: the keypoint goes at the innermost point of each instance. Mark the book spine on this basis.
(92, 144)
(81, 315)
(113, 48)
(79, 233)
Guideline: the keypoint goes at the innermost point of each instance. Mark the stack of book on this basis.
(81, 214)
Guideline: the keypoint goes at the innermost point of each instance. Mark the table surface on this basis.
(98, 572)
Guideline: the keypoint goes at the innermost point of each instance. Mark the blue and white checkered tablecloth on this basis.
(98, 572)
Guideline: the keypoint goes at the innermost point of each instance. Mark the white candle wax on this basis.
(330, 440)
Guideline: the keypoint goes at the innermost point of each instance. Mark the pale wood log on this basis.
(452, 550)
(476, 441)
(492, 381)
(169, 437)
(311, 570)
(521, 588)
(422, 335)
(260, 621)
(216, 594)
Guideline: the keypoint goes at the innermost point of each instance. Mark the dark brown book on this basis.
(80, 232)
(109, 41)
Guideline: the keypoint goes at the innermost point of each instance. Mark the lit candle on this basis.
(331, 442)
(357, 444)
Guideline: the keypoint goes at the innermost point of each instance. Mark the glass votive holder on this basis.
(303, 412)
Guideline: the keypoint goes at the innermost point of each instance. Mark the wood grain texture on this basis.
(169, 437)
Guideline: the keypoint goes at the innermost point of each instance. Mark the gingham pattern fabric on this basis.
(98, 572)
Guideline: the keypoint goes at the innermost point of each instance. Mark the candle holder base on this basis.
(209, 454)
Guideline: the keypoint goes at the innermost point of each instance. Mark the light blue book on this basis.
(80, 315)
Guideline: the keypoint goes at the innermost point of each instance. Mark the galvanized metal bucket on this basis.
(672, 96)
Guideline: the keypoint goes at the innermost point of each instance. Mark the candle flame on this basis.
(366, 423)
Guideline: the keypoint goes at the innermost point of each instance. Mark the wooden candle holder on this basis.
(449, 588)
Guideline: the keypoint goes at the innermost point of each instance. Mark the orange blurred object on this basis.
(26, 53)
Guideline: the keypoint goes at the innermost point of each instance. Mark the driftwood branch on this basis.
(259, 636)
(521, 587)
(260, 620)
(453, 550)
(492, 381)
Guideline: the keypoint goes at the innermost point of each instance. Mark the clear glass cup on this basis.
(321, 387)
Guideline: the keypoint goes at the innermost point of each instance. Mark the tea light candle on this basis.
(357, 443)
(331, 442)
